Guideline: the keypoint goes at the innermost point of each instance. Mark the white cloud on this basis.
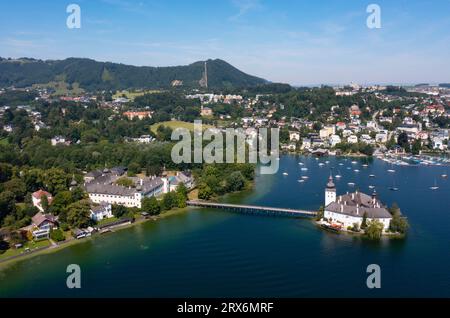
(244, 6)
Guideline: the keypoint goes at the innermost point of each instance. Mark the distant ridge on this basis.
(93, 75)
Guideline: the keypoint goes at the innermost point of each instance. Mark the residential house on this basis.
(101, 211)
(43, 224)
(353, 139)
(37, 196)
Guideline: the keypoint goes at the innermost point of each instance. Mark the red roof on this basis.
(38, 194)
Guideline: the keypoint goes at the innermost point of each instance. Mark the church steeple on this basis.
(330, 192)
(330, 184)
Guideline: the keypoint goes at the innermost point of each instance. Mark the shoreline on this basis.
(361, 234)
(71, 242)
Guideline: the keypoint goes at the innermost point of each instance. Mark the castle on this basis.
(349, 209)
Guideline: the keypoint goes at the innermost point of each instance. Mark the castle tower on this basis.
(330, 192)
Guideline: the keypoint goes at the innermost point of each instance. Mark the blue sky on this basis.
(300, 42)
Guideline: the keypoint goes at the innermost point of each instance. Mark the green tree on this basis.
(182, 191)
(204, 192)
(320, 213)
(78, 214)
(56, 180)
(78, 194)
(125, 182)
(57, 235)
(235, 181)
(5, 172)
(133, 169)
(364, 221)
(119, 210)
(16, 186)
(60, 202)
(181, 199)
(398, 223)
(151, 205)
(374, 230)
(416, 147)
(44, 203)
(7, 204)
(402, 141)
(169, 201)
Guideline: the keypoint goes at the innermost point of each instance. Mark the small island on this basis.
(360, 213)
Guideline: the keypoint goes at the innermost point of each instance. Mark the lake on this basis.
(215, 253)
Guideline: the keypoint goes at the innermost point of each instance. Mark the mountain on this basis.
(92, 75)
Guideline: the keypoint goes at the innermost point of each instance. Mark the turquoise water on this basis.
(210, 253)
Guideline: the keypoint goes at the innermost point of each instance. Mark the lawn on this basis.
(177, 124)
(31, 245)
(133, 95)
(107, 221)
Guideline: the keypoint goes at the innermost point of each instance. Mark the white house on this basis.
(37, 196)
(382, 136)
(101, 211)
(327, 131)
(334, 140)
(353, 139)
(438, 143)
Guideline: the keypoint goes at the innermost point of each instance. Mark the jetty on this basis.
(253, 209)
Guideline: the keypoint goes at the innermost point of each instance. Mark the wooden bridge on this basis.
(253, 209)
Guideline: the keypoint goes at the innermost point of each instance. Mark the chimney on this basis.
(342, 208)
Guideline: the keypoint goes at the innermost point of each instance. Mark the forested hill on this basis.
(92, 75)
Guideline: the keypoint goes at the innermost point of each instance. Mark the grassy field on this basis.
(30, 245)
(62, 88)
(177, 124)
(134, 94)
(107, 221)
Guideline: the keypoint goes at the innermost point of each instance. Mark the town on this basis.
(78, 163)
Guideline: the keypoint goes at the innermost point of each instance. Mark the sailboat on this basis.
(338, 176)
(391, 170)
(435, 187)
(371, 176)
(444, 175)
(371, 187)
(285, 174)
(393, 188)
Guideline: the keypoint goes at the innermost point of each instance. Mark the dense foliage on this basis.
(92, 75)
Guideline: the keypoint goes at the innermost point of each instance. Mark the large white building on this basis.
(347, 210)
(103, 188)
